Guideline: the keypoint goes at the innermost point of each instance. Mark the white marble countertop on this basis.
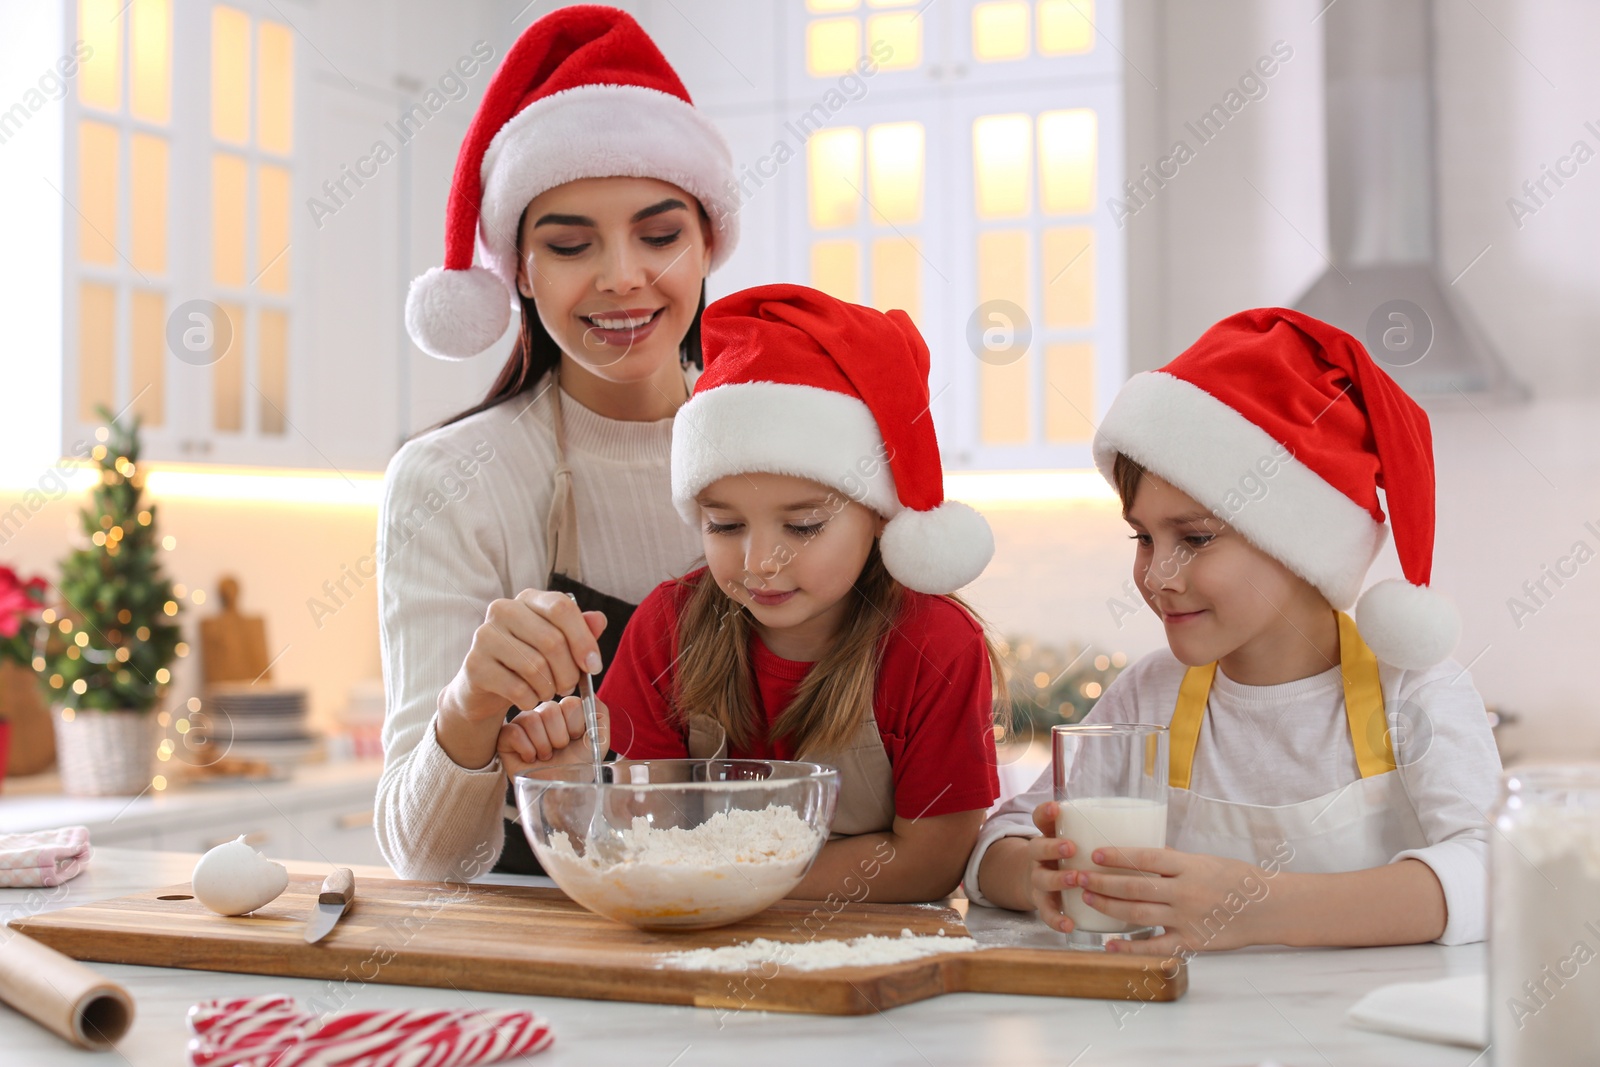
(1251, 1007)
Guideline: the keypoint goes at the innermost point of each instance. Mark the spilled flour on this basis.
(734, 864)
(869, 951)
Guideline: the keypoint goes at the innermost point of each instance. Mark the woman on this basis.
(598, 199)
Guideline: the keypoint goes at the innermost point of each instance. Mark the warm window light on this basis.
(100, 81)
(230, 75)
(1002, 154)
(832, 47)
(1066, 27)
(901, 32)
(1066, 161)
(836, 269)
(1000, 31)
(1028, 490)
(895, 153)
(150, 43)
(834, 159)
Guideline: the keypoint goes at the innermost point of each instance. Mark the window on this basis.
(252, 136)
(973, 208)
(181, 279)
(123, 141)
(843, 31)
(866, 211)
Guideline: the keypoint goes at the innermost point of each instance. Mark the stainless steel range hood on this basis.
(1385, 284)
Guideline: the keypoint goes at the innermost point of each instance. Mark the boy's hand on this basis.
(1044, 869)
(1204, 902)
(549, 735)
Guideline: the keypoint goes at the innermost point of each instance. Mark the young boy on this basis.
(1328, 786)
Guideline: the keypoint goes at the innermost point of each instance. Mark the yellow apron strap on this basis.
(1363, 702)
(1363, 709)
(1184, 733)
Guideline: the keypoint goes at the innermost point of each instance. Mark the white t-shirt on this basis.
(1285, 744)
(463, 523)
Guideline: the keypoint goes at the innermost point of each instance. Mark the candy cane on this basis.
(274, 1032)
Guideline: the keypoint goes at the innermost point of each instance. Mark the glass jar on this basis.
(1544, 941)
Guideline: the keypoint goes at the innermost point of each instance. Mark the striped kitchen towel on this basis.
(44, 857)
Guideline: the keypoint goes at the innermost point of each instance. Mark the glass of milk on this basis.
(1544, 940)
(1111, 785)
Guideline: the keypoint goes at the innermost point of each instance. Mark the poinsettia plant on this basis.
(21, 601)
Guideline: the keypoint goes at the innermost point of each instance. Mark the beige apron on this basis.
(866, 780)
(1363, 825)
(566, 576)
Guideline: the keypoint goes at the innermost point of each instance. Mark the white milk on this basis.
(1098, 822)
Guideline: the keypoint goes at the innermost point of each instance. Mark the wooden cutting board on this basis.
(517, 939)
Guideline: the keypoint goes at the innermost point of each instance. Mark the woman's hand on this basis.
(527, 651)
(1204, 902)
(550, 735)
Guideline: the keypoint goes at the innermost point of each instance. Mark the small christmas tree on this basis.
(113, 635)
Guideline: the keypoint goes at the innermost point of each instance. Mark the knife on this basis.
(338, 893)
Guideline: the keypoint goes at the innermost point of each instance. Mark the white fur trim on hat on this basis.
(455, 314)
(1189, 438)
(801, 430)
(1408, 626)
(937, 551)
(603, 131)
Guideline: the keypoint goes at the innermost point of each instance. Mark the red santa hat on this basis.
(797, 382)
(1286, 429)
(584, 93)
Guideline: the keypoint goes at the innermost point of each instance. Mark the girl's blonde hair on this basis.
(714, 675)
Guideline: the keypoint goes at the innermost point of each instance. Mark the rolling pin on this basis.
(86, 1008)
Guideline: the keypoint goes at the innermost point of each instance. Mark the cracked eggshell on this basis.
(233, 879)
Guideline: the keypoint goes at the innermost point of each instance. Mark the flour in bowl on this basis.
(869, 951)
(732, 865)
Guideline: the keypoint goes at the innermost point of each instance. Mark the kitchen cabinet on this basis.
(239, 282)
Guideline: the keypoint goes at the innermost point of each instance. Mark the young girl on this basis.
(1329, 778)
(821, 627)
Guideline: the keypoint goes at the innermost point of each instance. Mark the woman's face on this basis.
(615, 267)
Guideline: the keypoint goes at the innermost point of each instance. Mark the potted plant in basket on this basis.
(108, 646)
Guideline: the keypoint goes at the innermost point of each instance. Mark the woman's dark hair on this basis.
(537, 354)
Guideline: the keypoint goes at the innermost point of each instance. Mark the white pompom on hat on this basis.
(798, 382)
(584, 93)
(1286, 429)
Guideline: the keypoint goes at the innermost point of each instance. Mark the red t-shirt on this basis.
(933, 705)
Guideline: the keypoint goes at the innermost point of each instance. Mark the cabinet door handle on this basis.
(254, 840)
(353, 820)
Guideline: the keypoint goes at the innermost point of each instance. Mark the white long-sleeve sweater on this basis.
(463, 524)
(1284, 744)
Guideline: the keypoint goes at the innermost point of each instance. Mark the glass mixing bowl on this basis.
(678, 844)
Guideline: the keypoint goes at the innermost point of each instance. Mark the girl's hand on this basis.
(1205, 902)
(550, 735)
(1044, 870)
(527, 650)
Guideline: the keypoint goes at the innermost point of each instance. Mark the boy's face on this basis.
(1213, 590)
